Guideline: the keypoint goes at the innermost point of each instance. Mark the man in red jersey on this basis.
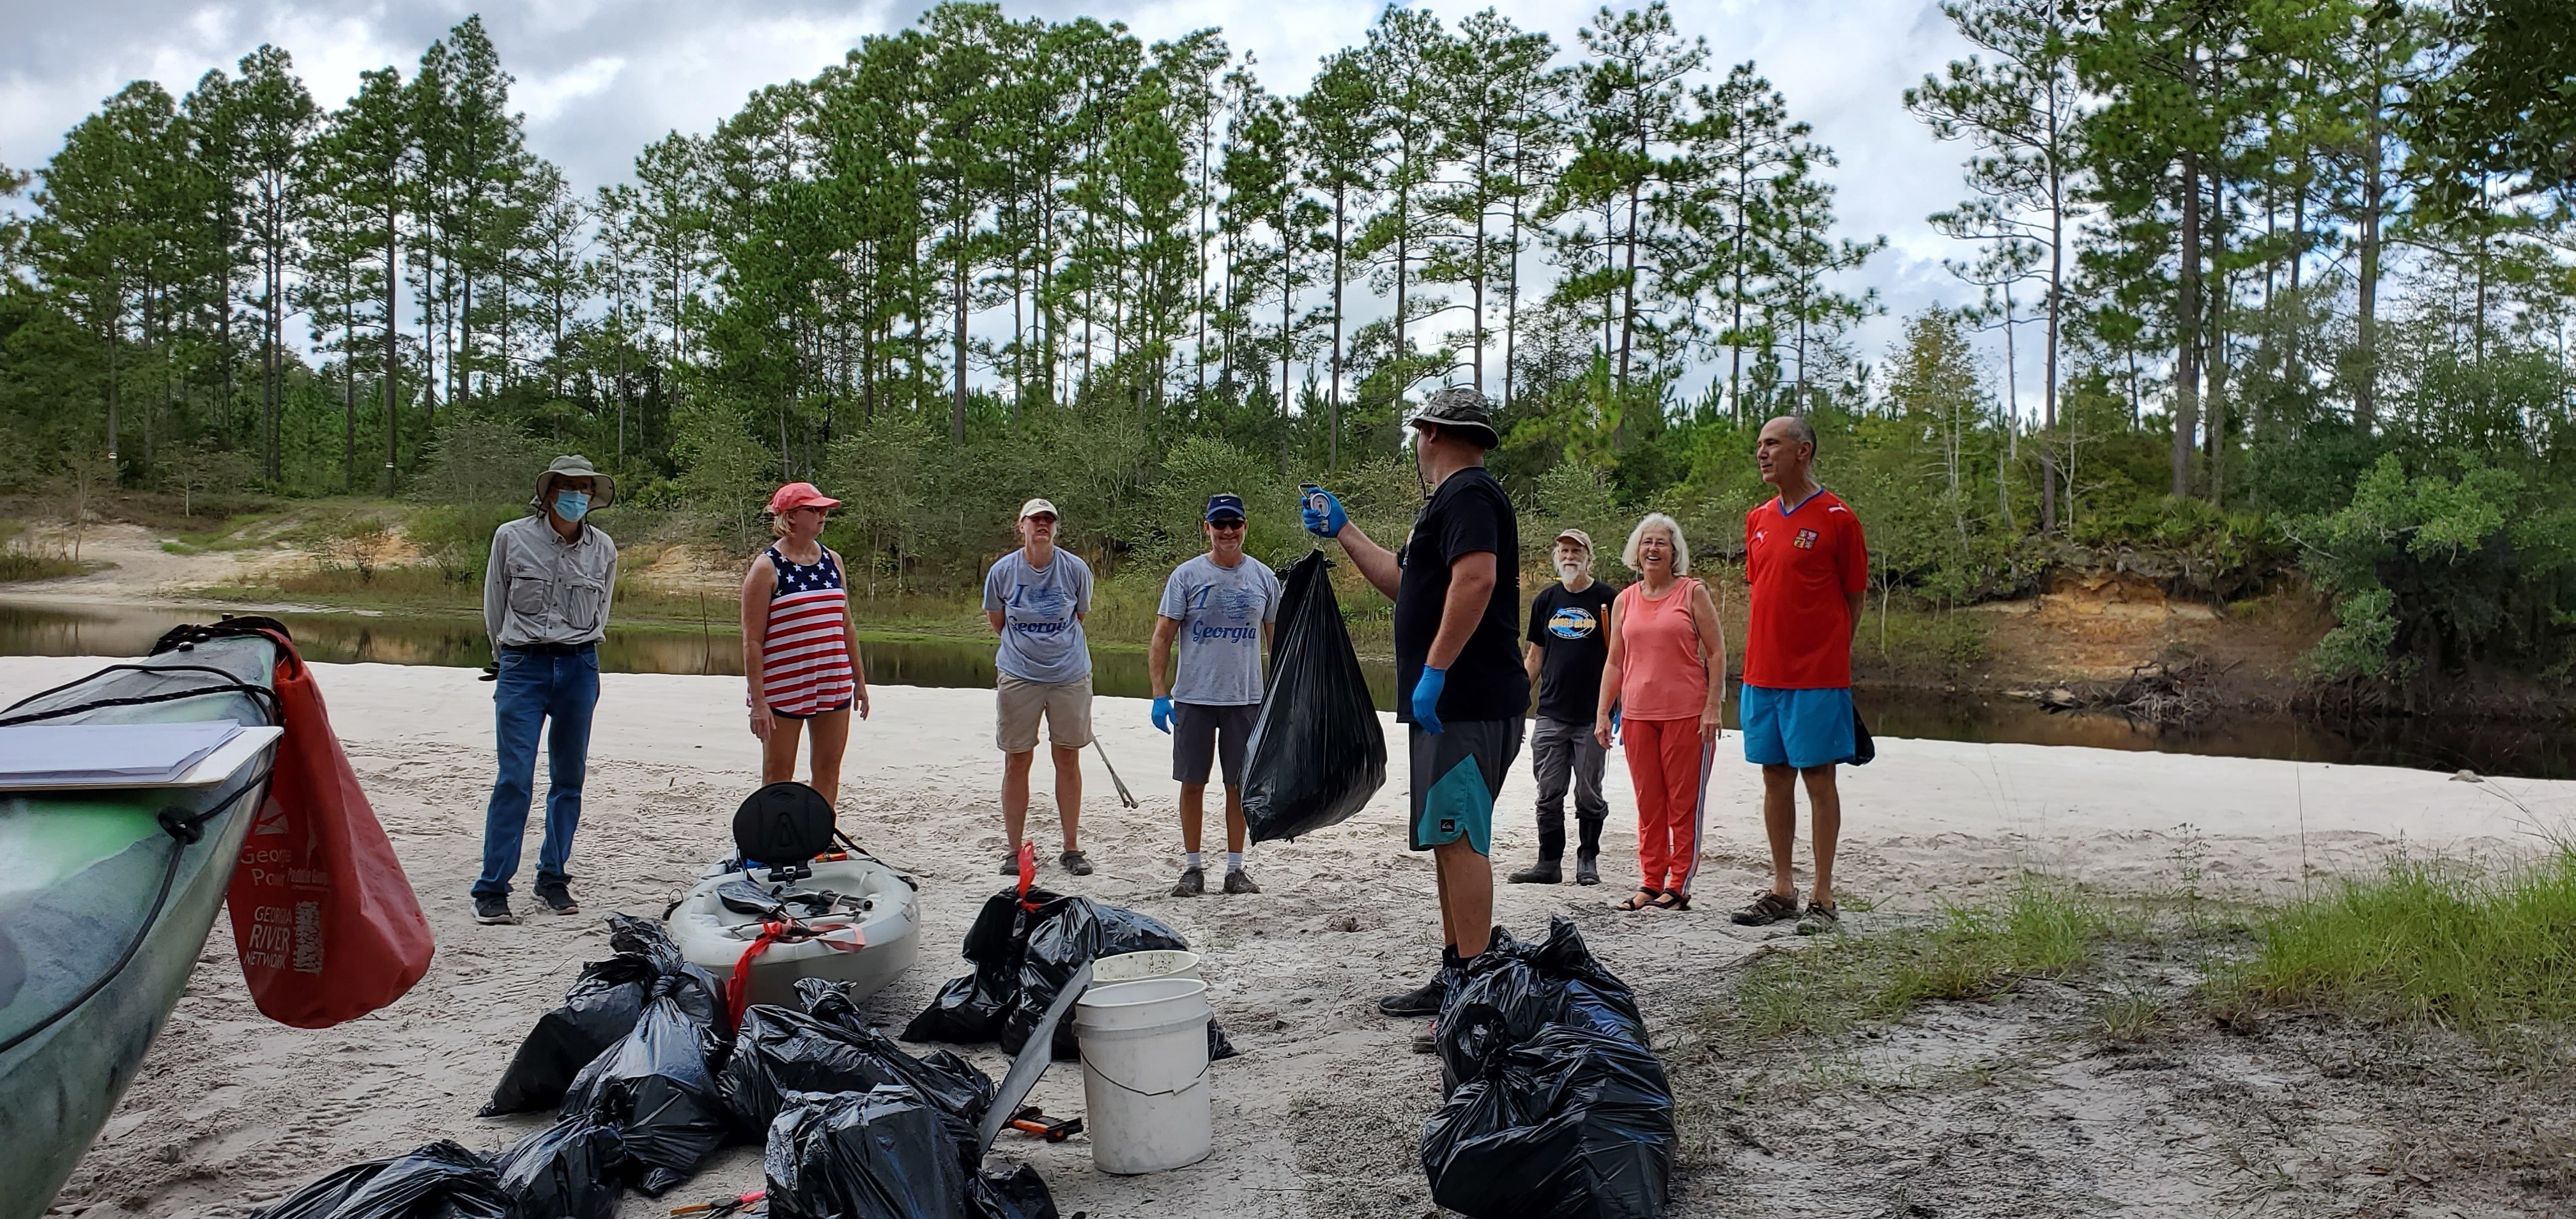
(1808, 565)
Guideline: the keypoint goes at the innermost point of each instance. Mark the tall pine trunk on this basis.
(2186, 420)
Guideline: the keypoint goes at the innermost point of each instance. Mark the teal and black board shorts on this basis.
(1456, 775)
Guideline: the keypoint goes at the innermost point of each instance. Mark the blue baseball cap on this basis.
(1224, 504)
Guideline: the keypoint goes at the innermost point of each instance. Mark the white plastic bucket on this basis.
(1140, 966)
(1145, 1073)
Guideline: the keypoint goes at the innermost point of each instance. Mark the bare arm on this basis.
(1158, 654)
(1377, 563)
(1471, 585)
(1529, 661)
(1852, 603)
(757, 584)
(1609, 683)
(994, 617)
(850, 628)
(1712, 649)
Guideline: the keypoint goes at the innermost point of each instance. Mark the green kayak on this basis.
(103, 909)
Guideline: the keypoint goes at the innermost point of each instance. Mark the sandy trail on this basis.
(139, 572)
(1318, 1115)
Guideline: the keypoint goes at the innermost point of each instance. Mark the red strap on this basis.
(1028, 873)
(738, 990)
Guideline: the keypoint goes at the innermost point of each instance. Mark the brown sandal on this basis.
(1644, 898)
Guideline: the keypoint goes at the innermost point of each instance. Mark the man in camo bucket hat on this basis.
(545, 606)
(1460, 687)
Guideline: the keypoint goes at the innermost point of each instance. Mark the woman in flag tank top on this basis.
(800, 653)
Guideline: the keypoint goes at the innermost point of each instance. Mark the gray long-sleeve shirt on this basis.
(540, 588)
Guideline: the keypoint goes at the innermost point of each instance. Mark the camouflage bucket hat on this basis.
(1461, 408)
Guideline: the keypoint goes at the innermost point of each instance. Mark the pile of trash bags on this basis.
(1317, 753)
(1557, 1107)
(841, 1111)
(1025, 945)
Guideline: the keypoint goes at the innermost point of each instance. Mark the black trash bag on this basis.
(1512, 990)
(829, 1048)
(1018, 1194)
(969, 1010)
(1317, 751)
(566, 1171)
(600, 1010)
(657, 1088)
(439, 1181)
(1065, 935)
(879, 1154)
(1573, 1124)
(1219, 1048)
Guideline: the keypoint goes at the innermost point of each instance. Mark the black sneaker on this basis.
(557, 899)
(1239, 881)
(1768, 908)
(1819, 919)
(494, 911)
(1073, 862)
(1544, 872)
(1424, 1000)
(1587, 869)
(1193, 883)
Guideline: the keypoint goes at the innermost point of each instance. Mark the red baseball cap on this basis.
(800, 495)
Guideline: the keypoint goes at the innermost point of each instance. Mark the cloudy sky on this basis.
(598, 79)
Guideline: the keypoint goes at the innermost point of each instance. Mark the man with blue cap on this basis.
(1220, 607)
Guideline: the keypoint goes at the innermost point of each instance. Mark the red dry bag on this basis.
(323, 917)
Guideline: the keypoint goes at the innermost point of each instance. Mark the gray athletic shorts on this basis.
(1202, 734)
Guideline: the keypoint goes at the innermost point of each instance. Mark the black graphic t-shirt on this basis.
(1572, 631)
(1467, 514)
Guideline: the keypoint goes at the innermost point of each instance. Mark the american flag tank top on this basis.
(805, 652)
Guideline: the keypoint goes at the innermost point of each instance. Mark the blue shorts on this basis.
(1456, 775)
(1801, 728)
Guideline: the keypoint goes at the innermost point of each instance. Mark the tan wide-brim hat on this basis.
(1576, 536)
(574, 465)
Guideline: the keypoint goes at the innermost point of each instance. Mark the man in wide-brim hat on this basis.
(545, 605)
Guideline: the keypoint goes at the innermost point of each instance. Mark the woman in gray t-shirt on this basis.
(1035, 597)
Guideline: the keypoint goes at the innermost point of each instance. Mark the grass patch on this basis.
(2044, 928)
(2427, 941)
(24, 558)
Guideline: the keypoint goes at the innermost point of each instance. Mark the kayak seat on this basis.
(782, 827)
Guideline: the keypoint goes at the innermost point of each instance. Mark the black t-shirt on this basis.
(1467, 514)
(1571, 630)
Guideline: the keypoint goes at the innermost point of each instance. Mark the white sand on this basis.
(232, 1110)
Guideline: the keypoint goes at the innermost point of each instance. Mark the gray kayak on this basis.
(103, 911)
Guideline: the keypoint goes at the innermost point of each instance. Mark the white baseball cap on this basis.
(1037, 507)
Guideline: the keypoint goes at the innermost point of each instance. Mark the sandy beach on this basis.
(232, 1111)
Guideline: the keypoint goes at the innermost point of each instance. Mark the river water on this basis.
(2496, 747)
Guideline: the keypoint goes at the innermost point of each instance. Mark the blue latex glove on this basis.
(1163, 713)
(1614, 723)
(1426, 698)
(1326, 521)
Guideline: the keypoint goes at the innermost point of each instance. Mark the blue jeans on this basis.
(531, 689)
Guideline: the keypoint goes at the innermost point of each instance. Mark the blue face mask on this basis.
(572, 505)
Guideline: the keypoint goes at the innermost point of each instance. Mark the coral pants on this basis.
(1668, 764)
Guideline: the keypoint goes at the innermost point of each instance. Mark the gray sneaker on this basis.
(1193, 883)
(494, 911)
(1240, 881)
(1819, 919)
(1073, 862)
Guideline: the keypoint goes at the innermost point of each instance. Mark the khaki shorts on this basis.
(1066, 706)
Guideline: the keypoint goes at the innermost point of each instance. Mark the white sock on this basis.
(1234, 861)
(1189, 859)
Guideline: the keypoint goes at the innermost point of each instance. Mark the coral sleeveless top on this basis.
(1662, 673)
(805, 654)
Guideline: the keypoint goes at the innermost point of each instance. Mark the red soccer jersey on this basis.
(1802, 566)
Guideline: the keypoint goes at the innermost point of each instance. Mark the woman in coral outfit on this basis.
(1663, 690)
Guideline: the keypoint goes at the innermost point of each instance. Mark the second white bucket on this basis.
(1138, 966)
(1145, 1073)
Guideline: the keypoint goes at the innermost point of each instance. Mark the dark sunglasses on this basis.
(1228, 525)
